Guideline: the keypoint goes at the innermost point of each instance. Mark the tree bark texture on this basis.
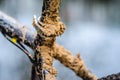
(44, 44)
(49, 26)
(7, 24)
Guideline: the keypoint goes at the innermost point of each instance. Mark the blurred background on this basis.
(93, 30)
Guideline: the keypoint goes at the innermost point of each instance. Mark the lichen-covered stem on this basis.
(50, 27)
(50, 11)
(74, 63)
(59, 50)
(49, 24)
(47, 27)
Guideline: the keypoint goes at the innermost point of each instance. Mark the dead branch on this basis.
(74, 63)
(50, 27)
(58, 49)
(44, 44)
(13, 29)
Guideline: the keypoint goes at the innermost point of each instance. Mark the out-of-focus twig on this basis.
(111, 77)
(12, 28)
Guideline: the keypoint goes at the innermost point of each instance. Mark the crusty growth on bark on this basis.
(50, 11)
(5, 22)
(49, 24)
(73, 62)
(44, 44)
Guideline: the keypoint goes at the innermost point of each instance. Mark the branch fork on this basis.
(48, 30)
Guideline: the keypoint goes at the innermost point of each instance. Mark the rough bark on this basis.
(60, 52)
(44, 44)
(49, 26)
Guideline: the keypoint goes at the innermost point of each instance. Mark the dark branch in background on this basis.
(20, 46)
(13, 29)
(111, 77)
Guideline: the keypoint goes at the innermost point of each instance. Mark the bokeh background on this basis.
(93, 30)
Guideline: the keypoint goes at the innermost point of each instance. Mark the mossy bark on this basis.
(46, 49)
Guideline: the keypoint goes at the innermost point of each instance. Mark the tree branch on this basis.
(50, 11)
(8, 21)
(12, 28)
(43, 43)
(74, 63)
(50, 26)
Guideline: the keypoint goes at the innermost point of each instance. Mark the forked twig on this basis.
(44, 44)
